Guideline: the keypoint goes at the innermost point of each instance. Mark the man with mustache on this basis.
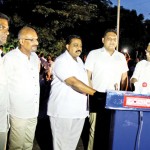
(67, 105)
(4, 32)
(107, 70)
(22, 72)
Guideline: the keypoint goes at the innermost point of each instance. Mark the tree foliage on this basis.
(54, 20)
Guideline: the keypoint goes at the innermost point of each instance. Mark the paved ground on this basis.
(79, 147)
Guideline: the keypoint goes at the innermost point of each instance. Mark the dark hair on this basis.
(70, 37)
(110, 30)
(41, 54)
(3, 16)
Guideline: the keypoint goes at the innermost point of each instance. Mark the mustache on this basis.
(78, 51)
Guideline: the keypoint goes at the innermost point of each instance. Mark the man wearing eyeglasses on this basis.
(4, 26)
(22, 71)
(141, 74)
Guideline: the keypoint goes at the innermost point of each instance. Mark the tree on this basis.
(54, 20)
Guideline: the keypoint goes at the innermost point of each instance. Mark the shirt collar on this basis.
(22, 54)
(70, 57)
(105, 51)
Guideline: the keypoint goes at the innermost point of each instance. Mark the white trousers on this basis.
(66, 132)
(22, 133)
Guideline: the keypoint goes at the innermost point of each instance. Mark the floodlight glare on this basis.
(125, 50)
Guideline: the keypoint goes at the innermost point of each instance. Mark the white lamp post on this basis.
(118, 22)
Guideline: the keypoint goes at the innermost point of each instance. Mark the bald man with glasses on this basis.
(22, 72)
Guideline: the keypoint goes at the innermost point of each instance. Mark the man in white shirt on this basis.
(141, 74)
(22, 72)
(4, 27)
(67, 105)
(107, 70)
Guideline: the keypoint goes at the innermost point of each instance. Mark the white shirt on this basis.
(3, 100)
(23, 83)
(142, 73)
(65, 102)
(106, 69)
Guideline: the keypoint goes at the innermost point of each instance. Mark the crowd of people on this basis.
(59, 95)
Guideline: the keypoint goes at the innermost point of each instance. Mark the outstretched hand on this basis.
(97, 101)
(99, 96)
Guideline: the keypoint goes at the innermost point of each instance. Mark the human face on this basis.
(3, 31)
(74, 48)
(148, 53)
(110, 41)
(29, 42)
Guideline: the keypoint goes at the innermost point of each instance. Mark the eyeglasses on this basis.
(32, 40)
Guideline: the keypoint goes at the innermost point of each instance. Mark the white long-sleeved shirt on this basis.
(23, 83)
